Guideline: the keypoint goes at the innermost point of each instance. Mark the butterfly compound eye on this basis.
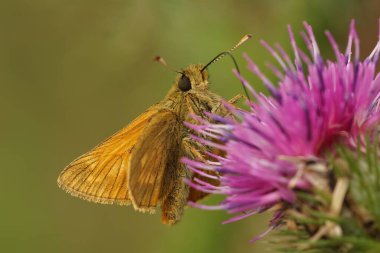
(184, 83)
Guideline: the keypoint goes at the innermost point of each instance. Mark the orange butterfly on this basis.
(140, 163)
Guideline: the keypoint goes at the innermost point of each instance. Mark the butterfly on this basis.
(140, 164)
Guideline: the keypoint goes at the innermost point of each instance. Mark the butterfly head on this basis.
(192, 78)
(195, 77)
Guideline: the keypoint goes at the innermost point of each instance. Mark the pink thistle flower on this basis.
(315, 105)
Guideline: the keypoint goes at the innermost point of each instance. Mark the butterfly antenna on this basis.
(161, 61)
(229, 52)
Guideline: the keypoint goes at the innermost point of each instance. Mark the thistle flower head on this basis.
(314, 105)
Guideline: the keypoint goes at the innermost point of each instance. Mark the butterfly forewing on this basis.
(101, 174)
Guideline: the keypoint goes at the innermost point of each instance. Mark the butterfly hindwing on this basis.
(154, 154)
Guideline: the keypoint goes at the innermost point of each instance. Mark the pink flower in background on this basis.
(315, 104)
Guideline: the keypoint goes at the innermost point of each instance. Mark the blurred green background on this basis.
(74, 72)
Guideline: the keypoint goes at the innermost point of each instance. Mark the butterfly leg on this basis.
(221, 110)
(197, 152)
(236, 98)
